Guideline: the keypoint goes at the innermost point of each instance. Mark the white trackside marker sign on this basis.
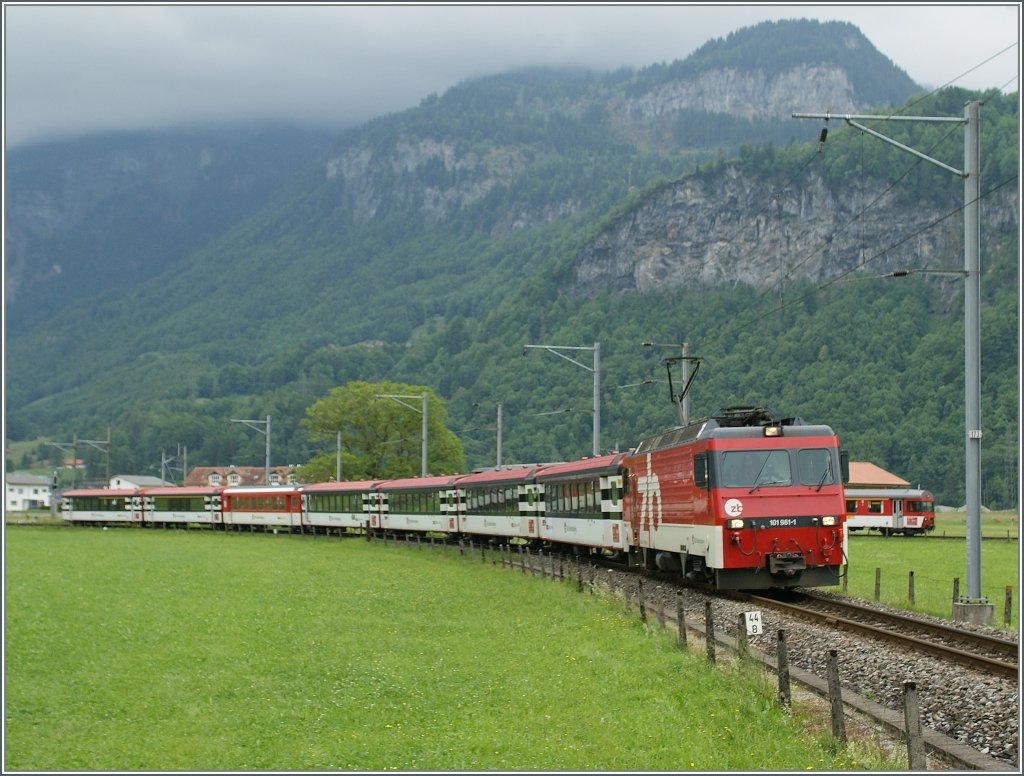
(754, 626)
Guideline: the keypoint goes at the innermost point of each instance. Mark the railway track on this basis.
(990, 653)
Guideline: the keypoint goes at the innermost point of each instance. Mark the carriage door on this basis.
(897, 515)
(212, 505)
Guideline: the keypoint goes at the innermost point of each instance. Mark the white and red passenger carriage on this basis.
(419, 504)
(270, 507)
(99, 506)
(180, 505)
(582, 504)
(501, 503)
(341, 506)
(907, 511)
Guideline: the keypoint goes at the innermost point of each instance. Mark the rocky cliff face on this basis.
(728, 229)
(749, 94)
(436, 176)
(427, 174)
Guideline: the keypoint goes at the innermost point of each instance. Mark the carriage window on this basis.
(851, 507)
(875, 507)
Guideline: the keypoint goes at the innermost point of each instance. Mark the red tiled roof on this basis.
(247, 475)
(864, 473)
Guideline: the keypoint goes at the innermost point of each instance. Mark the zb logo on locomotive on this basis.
(650, 491)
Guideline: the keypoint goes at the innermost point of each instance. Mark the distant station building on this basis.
(220, 476)
(26, 491)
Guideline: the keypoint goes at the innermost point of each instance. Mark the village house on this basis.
(26, 491)
(219, 476)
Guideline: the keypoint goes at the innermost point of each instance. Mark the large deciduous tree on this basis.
(380, 437)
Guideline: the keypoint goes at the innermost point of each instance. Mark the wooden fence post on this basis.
(910, 587)
(681, 619)
(640, 599)
(916, 760)
(835, 696)
(709, 631)
(785, 698)
(1008, 605)
(878, 583)
(956, 593)
(742, 644)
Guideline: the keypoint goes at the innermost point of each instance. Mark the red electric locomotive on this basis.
(741, 500)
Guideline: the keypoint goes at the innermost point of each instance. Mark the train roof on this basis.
(585, 467)
(181, 490)
(109, 492)
(262, 490)
(887, 493)
(498, 476)
(419, 483)
(732, 423)
(341, 487)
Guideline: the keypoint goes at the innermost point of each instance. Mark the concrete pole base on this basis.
(974, 612)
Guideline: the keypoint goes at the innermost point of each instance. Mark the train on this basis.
(890, 511)
(742, 499)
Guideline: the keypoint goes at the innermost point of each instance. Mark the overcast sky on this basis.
(76, 69)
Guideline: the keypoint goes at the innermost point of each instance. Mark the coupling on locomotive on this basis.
(743, 499)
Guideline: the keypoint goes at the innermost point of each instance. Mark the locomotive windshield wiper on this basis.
(757, 477)
(825, 474)
(762, 483)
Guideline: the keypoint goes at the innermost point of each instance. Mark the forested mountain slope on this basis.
(569, 207)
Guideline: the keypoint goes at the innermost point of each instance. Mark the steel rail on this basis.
(970, 659)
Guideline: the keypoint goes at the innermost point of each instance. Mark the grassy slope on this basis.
(170, 650)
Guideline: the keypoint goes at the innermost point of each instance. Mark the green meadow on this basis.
(150, 650)
(936, 563)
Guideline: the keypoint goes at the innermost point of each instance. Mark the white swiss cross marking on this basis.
(650, 490)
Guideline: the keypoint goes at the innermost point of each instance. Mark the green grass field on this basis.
(935, 564)
(1000, 525)
(146, 650)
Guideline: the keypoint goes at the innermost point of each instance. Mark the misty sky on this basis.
(77, 69)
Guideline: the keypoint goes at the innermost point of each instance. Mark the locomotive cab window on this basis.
(755, 468)
(815, 466)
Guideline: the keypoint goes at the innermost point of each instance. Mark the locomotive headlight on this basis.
(734, 523)
(829, 520)
(773, 431)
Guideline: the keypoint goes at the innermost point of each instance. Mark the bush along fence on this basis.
(571, 570)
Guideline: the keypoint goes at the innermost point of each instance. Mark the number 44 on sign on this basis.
(754, 625)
